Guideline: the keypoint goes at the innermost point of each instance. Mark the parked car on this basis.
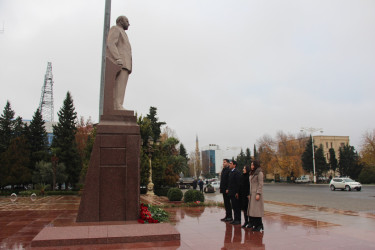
(209, 189)
(344, 184)
(186, 182)
(323, 179)
(216, 184)
(302, 179)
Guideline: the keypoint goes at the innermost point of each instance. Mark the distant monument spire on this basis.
(46, 98)
(197, 165)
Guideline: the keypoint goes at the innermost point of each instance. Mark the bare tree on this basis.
(367, 151)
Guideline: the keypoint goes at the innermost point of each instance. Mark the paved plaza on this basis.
(287, 226)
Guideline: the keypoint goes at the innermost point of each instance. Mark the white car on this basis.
(216, 185)
(302, 180)
(344, 184)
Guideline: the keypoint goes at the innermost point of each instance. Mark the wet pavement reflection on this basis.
(287, 226)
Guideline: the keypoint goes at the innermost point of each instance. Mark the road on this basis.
(317, 195)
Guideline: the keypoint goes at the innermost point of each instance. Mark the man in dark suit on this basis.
(223, 188)
(232, 191)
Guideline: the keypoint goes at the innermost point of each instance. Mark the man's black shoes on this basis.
(236, 222)
(228, 219)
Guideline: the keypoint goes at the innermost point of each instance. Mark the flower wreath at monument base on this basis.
(152, 214)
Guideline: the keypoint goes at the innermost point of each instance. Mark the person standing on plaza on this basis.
(256, 204)
(200, 183)
(233, 190)
(244, 193)
(195, 184)
(223, 187)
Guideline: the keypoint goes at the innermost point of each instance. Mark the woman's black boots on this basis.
(250, 223)
(258, 224)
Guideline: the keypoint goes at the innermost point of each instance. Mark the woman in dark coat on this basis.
(244, 193)
(256, 205)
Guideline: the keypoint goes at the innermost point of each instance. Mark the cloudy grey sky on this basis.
(227, 71)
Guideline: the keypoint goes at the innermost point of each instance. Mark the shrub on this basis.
(193, 195)
(29, 192)
(61, 192)
(367, 175)
(174, 194)
(6, 192)
(161, 191)
(42, 187)
(57, 192)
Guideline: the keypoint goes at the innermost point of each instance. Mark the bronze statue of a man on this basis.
(119, 51)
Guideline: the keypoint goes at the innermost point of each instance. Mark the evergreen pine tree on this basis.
(9, 130)
(64, 140)
(349, 162)
(256, 156)
(248, 157)
(37, 139)
(320, 161)
(146, 132)
(332, 159)
(307, 157)
(145, 129)
(155, 124)
(6, 127)
(15, 161)
(44, 173)
(183, 152)
(19, 127)
(241, 160)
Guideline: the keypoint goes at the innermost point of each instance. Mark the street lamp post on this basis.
(150, 150)
(311, 131)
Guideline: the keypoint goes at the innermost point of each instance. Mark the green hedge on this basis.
(60, 192)
(193, 195)
(161, 191)
(175, 194)
(38, 192)
(29, 192)
(7, 192)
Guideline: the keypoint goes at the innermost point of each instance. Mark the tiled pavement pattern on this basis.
(287, 226)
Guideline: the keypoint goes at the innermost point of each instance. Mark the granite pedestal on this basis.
(111, 191)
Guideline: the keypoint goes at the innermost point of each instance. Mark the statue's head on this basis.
(123, 21)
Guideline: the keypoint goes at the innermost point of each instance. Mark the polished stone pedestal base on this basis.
(111, 191)
(105, 234)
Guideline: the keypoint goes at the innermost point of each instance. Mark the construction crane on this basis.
(46, 98)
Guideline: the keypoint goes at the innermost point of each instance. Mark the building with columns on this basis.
(335, 142)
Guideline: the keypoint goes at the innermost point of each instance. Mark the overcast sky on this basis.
(227, 71)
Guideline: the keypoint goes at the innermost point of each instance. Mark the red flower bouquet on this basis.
(145, 215)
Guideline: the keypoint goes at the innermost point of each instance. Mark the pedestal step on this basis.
(104, 234)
